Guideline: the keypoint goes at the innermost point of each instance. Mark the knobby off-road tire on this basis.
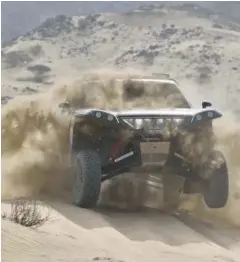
(216, 188)
(87, 179)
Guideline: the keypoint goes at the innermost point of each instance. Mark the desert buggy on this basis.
(164, 141)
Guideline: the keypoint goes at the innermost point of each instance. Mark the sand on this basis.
(113, 235)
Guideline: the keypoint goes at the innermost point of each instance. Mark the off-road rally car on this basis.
(175, 142)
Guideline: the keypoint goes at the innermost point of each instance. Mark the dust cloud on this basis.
(35, 140)
(35, 134)
(227, 131)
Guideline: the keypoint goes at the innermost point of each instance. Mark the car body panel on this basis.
(153, 113)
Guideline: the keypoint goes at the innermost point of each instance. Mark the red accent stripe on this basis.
(115, 152)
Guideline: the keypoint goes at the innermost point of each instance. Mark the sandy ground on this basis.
(108, 234)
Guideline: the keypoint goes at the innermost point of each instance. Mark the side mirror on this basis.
(206, 104)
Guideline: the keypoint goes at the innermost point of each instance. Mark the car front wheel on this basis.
(87, 178)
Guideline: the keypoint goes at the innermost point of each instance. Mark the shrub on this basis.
(36, 50)
(39, 69)
(39, 74)
(26, 213)
(82, 24)
(16, 58)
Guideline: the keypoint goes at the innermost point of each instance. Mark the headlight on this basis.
(210, 114)
(177, 120)
(98, 114)
(198, 117)
(110, 118)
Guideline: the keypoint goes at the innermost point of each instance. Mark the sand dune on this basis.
(113, 235)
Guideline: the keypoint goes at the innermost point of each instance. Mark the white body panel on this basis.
(162, 112)
(149, 113)
(149, 80)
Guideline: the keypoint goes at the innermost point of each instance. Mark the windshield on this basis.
(124, 94)
(154, 94)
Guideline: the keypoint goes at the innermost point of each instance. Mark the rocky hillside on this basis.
(21, 17)
(196, 46)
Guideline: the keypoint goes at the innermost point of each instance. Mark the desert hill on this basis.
(198, 50)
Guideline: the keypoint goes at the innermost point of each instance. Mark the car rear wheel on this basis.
(216, 187)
